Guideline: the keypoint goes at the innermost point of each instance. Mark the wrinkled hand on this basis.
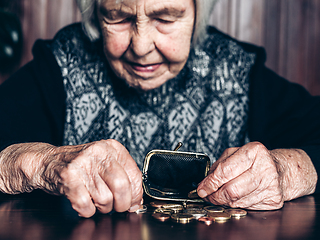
(100, 175)
(253, 177)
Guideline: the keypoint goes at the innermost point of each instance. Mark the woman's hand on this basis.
(100, 175)
(253, 177)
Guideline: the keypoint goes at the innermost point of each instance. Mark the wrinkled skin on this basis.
(100, 175)
(253, 177)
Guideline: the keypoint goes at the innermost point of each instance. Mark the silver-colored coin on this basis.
(195, 212)
(142, 209)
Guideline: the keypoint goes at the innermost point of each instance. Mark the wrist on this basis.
(298, 176)
(21, 166)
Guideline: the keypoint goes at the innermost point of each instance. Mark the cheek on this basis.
(115, 45)
(174, 49)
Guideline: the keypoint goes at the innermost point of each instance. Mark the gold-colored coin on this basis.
(161, 216)
(171, 205)
(236, 213)
(219, 216)
(142, 209)
(182, 217)
(167, 211)
(214, 209)
(193, 194)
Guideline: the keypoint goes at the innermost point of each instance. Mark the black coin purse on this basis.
(174, 175)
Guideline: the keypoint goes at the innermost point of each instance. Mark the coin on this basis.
(171, 205)
(214, 209)
(206, 220)
(167, 211)
(142, 209)
(193, 194)
(176, 209)
(219, 216)
(161, 216)
(195, 212)
(182, 217)
(236, 213)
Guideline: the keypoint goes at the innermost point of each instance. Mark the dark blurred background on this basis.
(288, 29)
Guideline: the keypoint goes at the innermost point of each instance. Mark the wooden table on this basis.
(41, 216)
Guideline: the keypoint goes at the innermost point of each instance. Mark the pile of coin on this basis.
(188, 212)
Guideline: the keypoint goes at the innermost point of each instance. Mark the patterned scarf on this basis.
(205, 107)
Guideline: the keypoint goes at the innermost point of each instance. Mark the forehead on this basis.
(151, 5)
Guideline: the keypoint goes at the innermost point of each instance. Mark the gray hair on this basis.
(91, 27)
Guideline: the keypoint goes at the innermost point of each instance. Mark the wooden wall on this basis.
(288, 29)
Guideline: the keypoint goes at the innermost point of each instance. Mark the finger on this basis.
(77, 193)
(228, 168)
(249, 191)
(81, 201)
(118, 182)
(101, 195)
(236, 189)
(267, 198)
(135, 178)
(133, 172)
(263, 200)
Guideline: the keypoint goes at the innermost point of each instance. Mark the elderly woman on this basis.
(144, 74)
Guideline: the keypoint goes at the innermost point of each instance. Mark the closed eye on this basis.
(164, 21)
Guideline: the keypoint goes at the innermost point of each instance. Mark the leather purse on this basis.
(174, 175)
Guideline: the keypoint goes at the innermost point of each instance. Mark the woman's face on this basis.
(147, 42)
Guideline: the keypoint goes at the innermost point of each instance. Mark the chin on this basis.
(146, 85)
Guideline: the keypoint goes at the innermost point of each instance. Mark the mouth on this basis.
(147, 68)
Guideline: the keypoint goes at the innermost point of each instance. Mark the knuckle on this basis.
(210, 184)
(258, 147)
(222, 172)
(112, 142)
(104, 199)
(232, 193)
(97, 147)
(121, 184)
(68, 174)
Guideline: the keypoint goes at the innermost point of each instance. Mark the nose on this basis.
(142, 43)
